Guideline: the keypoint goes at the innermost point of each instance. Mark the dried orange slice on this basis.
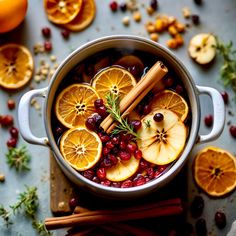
(16, 66)
(84, 18)
(75, 104)
(215, 171)
(81, 148)
(62, 11)
(113, 80)
(170, 100)
(122, 170)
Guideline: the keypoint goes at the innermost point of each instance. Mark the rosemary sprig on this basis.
(18, 158)
(228, 69)
(147, 123)
(5, 214)
(113, 107)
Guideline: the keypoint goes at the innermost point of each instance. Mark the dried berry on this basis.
(220, 219)
(195, 19)
(46, 31)
(73, 202)
(65, 33)
(154, 4)
(47, 46)
(197, 206)
(201, 229)
(225, 97)
(232, 131)
(158, 117)
(14, 132)
(11, 104)
(198, 2)
(123, 6)
(6, 120)
(208, 120)
(114, 6)
(12, 142)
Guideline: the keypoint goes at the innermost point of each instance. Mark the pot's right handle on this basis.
(24, 119)
(219, 114)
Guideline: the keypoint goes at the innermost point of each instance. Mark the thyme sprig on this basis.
(18, 158)
(228, 69)
(5, 214)
(147, 123)
(113, 107)
(40, 228)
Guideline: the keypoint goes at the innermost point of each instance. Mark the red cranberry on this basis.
(14, 132)
(197, 206)
(179, 89)
(98, 103)
(12, 142)
(11, 104)
(96, 179)
(140, 180)
(73, 202)
(135, 70)
(201, 228)
(150, 172)
(131, 147)
(123, 7)
(136, 124)
(109, 145)
(157, 173)
(195, 19)
(124, 156)
(116, 184)
(123, 145)
(146, 109)
(46, 31)
(143, 164)
(98, 119)
(114, 6)
(232, 130)
(89, 174)
(220, 219)
(106, 163)
(158, 117)
(115, 150)
(154, 4)
(138, 154)
(112, 159)
(65, 33)
(127, 184)
(208, 120)
(90, 123)
(105, 150)
(102, 111)
(106, 182)
(101, 173)
(115, 140)
(225, 97)
(48, 46)
(169, 81)
(104, 137)
(6, 120)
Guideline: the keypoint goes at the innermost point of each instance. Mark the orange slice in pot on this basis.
(16, 66)
(75, 104)
(215, 171)
(81, 148)
(114, 80)
(84, 18)
(170, 100)
(62, 11)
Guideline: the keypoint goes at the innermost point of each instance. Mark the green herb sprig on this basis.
(5, 214)
(40, 228)
(113, 108)
(147, 123)
(18, 158)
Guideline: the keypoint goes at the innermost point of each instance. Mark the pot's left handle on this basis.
(24, 119)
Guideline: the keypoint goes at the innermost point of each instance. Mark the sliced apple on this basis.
(202, 48)
(162, 142)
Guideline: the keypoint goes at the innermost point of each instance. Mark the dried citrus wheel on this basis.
(215, 171)
(113, 80)
(84, 18)
(16, 66)
(161, 142)
(122, 170)
(170, 100)
(75, 104)
(62, 11)
(81, 148)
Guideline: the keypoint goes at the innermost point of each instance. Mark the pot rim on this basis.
(177, 165)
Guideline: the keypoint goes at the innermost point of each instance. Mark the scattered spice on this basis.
(2, 178)
(11, 104)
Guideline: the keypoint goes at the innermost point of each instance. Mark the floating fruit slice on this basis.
(202, 48)
(81, 148)
(75, 104)
(215, 171)
(84, 18)
(122, 170)
(161, 142)
(62, 11)
(16, 66)
(113, 80)
(170, 100)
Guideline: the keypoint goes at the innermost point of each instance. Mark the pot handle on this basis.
(24, 119)
(218, 114)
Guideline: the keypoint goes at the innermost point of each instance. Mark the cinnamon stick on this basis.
(156, 73)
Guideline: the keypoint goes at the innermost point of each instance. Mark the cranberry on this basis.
(150, 172)
(98, 103)
(169, 81)
(143, 165)
(59, 130)
(98, 119)
(109, 145)
(73, 202)
(201, 228)
(105, 150)
(136, 124)
(6, 120)
(162, 168)
(157, 173)
(196, 207)
(146, 109)
(90, 123)
(138, 154)
(104, 137)
(89, 174)
(124, 156)
(11, 104)
(101, 173)
(225, 97)
(131, 147)
(12, 142)
(127, 184)
(195, 19)
(139, 180)
(123, 145)
(106, 163)
(46, 31)
(14, 132)
(65, 33)
(232, 130)
(106, 182)
(135, 70)
(154, 4)
(115, 140)
(126, 137)
(96, 179)
(112, 159)
(102, 111)
(48, 46)
(115, 150)
(208, 120)
(123, 7)
(114, 6)
(158, 117)
(220, 219)
(179, 89)
(116, 184)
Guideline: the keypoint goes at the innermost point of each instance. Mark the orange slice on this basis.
(170, 100)
(75, 104)
(84, 18)
(122, 170)
(215, 171)
(16, 66)
(62, 11)
(81, 148)
(113, 80)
